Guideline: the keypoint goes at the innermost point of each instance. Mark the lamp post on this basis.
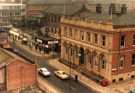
(69, 62)
(78, 55)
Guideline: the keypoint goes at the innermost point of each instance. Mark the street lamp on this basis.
(78, 55)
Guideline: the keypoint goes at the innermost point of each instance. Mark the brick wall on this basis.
(20, 74)
(126, 51)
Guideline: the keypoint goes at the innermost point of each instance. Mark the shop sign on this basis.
(52, 42)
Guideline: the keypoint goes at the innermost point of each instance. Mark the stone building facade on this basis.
(11, 11)
(100, 42)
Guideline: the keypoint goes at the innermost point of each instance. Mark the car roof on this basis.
(43, 68)
(60, 71)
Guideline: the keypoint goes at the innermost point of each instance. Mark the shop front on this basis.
(46, 45)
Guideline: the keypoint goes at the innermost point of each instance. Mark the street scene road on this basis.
(64, 86)
(67, 46)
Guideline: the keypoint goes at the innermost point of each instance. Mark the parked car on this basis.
(104, 82)
(44, 71)
(61, 74)
(132, 90)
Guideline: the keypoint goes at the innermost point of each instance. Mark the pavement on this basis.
(122, 87)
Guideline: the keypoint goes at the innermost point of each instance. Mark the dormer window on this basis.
(99, 8)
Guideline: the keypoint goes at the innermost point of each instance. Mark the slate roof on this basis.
(127, 19)
(124, 20)
(75, 9)
(117, 20)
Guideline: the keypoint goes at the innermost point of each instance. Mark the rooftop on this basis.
(116, 20)
(4, 58)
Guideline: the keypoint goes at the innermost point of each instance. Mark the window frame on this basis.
(82, 35)
(88, 36)
(133, 59)
(95, 38)
(133, 40)
(121, 61)
(122, 41)
(103, 40)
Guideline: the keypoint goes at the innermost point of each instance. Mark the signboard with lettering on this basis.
(52, 42)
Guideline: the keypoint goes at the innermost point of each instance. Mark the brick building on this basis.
(15, 73)
(100, 41)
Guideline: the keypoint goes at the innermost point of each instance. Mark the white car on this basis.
(61, 74)
(44, 72)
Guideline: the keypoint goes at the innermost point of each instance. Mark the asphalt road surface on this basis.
(66, 86)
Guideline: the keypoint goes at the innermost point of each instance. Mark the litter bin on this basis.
(76, 77)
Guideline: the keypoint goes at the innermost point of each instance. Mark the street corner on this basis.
(123, 87)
